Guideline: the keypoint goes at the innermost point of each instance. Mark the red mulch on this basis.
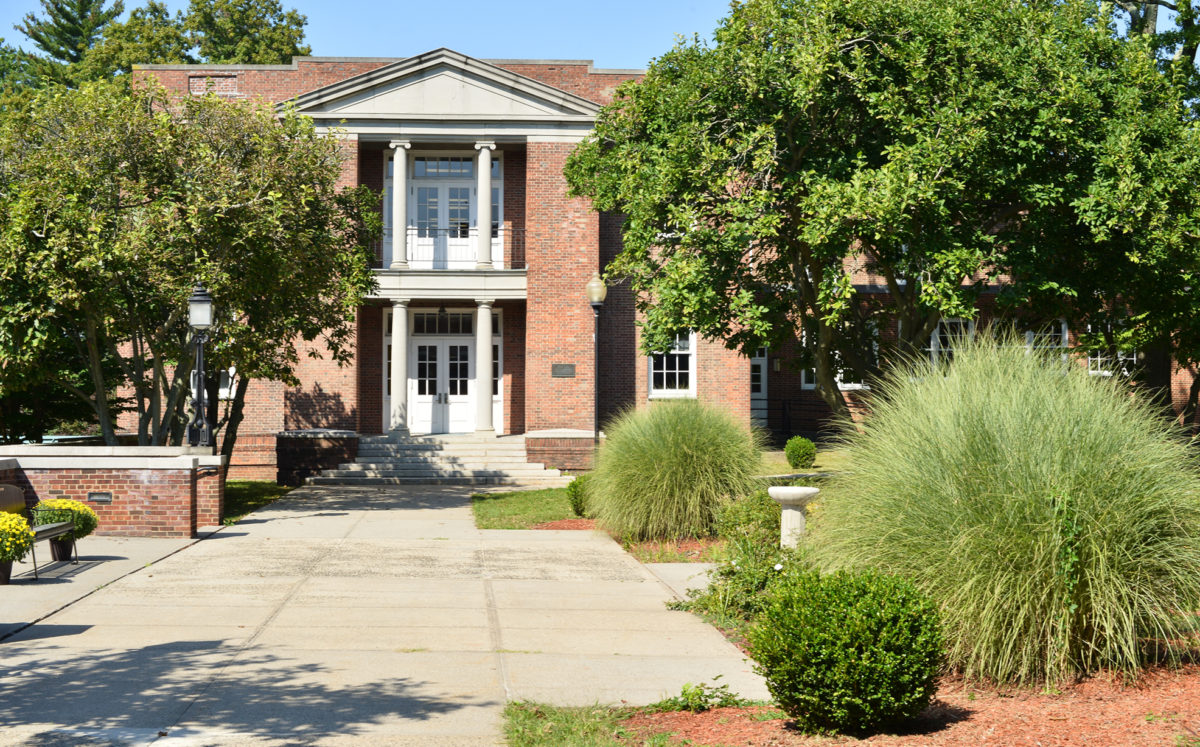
(1162, 709)
(567, 524)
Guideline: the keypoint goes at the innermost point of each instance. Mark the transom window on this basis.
(449, 167)
(673, 372)
(450, 323)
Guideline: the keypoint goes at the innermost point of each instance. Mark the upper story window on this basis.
(673, 372)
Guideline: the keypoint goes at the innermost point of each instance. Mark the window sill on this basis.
(672, 395)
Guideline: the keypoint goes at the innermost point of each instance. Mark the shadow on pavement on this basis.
(203, 684)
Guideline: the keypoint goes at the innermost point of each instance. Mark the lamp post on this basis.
(200, 307)
(596, 291)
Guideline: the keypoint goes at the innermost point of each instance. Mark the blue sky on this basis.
(613, 33)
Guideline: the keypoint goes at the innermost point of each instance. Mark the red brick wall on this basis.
(254, 455)
(563, 253)
(514, 208)
(328, 393)
(270, 85)
(573, 78)
(618, 334)
(513, 334)
(370, 367)
(209, 489)
(304, 456)
(146, 503)
(561, 453)
(722, 379)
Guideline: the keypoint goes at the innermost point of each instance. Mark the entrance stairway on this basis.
(455, 459)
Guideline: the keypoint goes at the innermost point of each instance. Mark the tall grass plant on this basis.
(1054, 517)
(664, 472)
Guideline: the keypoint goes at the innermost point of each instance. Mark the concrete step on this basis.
(352, 473)
(444, 464)
(439, 449)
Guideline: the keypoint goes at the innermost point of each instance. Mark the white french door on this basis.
(440, 381)
(758, 388)
(442, 217)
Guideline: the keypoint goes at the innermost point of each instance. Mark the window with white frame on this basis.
(673, 372)
(947, 334)
(846, 377)
(1106, 362)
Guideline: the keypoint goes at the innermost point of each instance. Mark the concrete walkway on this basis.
(354, 616)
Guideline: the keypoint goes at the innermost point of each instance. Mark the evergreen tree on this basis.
(70, 27)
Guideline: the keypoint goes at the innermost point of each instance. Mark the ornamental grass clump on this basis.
(663, 472)
(1054, 517)
(54, 510)
(15, 537)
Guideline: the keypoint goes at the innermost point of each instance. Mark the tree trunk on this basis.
(96, 369)
(826, 378)
(236, 414)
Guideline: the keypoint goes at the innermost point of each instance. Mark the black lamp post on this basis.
(200, 308)
(596, 291)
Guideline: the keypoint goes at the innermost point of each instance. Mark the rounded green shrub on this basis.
(663, 472)
(1054, 517)
(848, 652)
(800, 452)
(577, 494)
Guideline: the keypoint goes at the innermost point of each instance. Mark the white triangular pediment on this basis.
(443, 85)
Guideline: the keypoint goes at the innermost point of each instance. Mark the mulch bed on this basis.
(1161, 709)
(567, 524)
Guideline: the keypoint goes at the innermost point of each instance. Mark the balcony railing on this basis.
(454, 248)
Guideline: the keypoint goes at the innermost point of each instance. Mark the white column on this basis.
(483, 368)
(399, 204)
(483, 209)
(399, 371)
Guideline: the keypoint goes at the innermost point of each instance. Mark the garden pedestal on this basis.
(792, 501)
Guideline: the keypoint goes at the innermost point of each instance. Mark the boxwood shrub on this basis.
(848, 652)
(800, 452)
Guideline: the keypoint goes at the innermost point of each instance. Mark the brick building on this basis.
(455, 144)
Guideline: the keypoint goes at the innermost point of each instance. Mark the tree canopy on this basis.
(821, 151)
(112, 207)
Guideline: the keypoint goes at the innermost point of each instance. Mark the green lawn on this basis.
(244, 496)
(832, 460)
(522, 509)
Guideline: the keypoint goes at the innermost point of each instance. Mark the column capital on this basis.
(485, 301)
(398, 144)
(485, 144)
(400, 303)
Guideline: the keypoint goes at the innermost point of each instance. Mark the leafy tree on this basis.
(17, 76)
(66, 33)
(246, 31)
(151, 35)
(113, 206)
(926, 147)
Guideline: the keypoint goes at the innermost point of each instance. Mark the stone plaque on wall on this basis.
(562, 370)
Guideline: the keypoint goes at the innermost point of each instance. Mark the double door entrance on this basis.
(440, 386)
(442, 379)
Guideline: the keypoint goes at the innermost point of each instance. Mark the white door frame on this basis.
(464, 420)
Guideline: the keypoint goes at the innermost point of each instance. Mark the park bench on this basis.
(12, 500)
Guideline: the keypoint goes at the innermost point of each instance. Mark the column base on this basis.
(398, 266)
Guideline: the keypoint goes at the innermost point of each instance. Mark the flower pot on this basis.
(60, 549)
(5, 572)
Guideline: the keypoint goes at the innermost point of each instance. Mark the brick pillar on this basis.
(562, 251)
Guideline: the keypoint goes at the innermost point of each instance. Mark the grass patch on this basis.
(536, 725)
(708, 550)
(246, 496)
(828, 460)
(522, 509)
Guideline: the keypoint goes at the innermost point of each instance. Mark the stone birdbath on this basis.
(792, 501)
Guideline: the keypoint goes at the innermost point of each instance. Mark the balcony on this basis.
(442, 265)
(454, 248)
